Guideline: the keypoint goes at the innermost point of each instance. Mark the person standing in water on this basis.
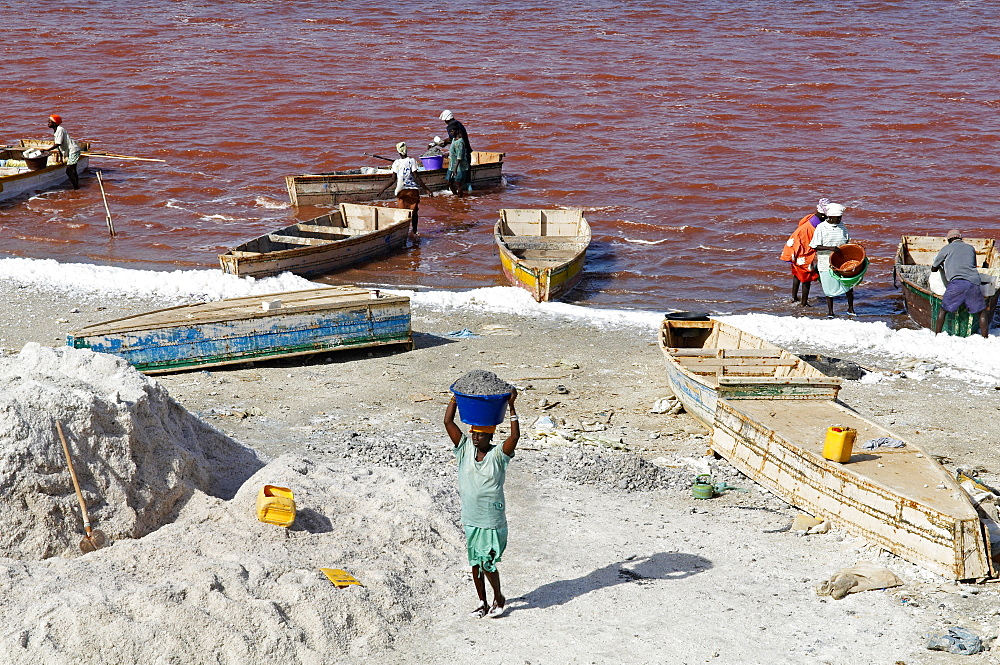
(829, 235)
(459, 155)
(801, 256)
(482, 470)
(958, 260)
(68, 149)
(408, 185)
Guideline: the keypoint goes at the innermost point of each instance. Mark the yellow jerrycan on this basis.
(839, 444)
(276, 505)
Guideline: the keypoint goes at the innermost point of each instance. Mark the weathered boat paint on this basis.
(351, 235)
(28, 182)
(772, 429)
(239, 330)
(327, 189)
(542, 251)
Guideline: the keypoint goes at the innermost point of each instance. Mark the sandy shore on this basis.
(600, 568)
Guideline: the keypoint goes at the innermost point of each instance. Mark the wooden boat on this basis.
(350, 235)
(542, 251)
(769, 412)
(371, 184)
(19, 177)
(913, 268)
(236, 330)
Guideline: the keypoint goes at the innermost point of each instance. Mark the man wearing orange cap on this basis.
(482, 469)
(68, 148)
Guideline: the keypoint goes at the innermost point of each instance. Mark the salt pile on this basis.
(481, 382)
(208, 582)
(138, 454)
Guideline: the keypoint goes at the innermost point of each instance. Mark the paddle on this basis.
(114, 156)
(367, 154)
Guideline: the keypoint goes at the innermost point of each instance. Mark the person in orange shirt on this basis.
(801, 256)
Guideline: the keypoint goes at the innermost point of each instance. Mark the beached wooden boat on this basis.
(913, 269)
(350, 235)
(235, 330)
(20, 178)
(769, 412)
(372, 184)
(542, 251)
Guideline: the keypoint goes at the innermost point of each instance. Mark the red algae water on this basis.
(694, 135)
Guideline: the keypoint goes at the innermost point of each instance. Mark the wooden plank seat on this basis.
(330, 230)
(296, 240)
(746, 362)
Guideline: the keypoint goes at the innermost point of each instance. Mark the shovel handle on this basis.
(76, 483)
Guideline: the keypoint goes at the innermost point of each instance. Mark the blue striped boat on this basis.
(236, 330)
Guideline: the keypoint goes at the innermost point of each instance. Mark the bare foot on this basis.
(807, 304)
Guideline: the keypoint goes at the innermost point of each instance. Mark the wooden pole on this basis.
(109, 155)
(111, 226)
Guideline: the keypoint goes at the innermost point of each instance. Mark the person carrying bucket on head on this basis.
(482, 470)
(801, 256)
(407, 185)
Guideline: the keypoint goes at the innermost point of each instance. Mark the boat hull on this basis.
(769, 415)
(929, 521)
(542, 251)
(328, 252)
(238, 330)
(30, 182)
(332, 188)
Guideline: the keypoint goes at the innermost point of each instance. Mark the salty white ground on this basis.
(594, 573)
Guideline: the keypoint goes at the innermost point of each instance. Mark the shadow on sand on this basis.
(640, 570)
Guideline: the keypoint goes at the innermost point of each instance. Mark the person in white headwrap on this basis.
(459, 154)
(829, 235)
(801, 256)
(408, 185)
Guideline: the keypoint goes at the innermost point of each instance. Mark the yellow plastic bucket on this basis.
(276, 505)
(839, 444)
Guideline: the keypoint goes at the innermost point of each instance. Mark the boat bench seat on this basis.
(332, 230)
(296, 240)
(738, 362)
(541, 242)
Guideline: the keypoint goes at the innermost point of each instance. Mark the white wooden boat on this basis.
(372, 184)
(20, 177)
(350, 235)
(542, 251)
(236, 330)
(769, 412)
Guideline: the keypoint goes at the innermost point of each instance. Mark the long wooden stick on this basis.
(76, 483)
(113, 156)
(111, 226)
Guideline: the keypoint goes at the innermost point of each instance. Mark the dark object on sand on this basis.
(844, 369)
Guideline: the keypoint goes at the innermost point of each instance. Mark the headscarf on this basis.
(485, 429)
(821, 206)
(56, 118)
(446, 115)
(401, 149)
(835, 210)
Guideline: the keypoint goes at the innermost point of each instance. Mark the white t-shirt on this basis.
(67, 146)
(830, 235)
(404, 168)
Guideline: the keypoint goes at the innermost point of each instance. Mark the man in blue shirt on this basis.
(958, 259)
(482, 470)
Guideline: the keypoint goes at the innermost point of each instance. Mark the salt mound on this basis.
(218, 586)
(138, 454)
